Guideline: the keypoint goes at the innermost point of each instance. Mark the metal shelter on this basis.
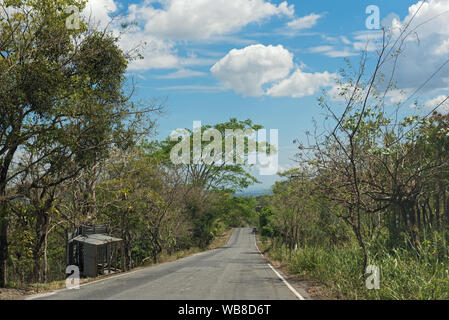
(93, 250)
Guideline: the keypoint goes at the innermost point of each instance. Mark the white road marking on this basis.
(296, 293)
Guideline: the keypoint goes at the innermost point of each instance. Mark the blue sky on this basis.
(266, 60)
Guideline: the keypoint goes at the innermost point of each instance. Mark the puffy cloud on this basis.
(247, 70)
(301, 84)
(99, 11)
(157, 53)
(162, 22)
(423, 53)
(426, 49)
(397, 96)
(431, 16)
(390, 20)
(306, 22)
(200, 19)
(435, 102)
(443, 48)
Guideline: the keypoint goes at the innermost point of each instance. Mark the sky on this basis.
(270, 61)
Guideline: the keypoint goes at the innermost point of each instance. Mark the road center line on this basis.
(296, 293)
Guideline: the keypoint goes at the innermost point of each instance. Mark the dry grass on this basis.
(314, 288)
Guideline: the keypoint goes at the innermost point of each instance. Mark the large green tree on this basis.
(218, 174)
(62, 101)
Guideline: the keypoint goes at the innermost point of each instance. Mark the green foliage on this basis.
(403, 275)
(63, 108)
(218, 176)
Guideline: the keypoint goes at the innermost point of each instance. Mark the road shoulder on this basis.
(309, 289)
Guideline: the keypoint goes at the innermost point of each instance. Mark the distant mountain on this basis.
(254, 193)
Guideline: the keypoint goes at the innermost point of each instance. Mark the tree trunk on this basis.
(3, 247)
(3, 241)
(42, 223)
(362, 246)
(418, 216)
(45, 271)
(446, 211)
(437, 210)
(355, 225)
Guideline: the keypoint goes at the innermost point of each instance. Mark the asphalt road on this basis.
(236, 271)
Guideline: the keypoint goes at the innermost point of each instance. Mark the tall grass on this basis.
(404, 274)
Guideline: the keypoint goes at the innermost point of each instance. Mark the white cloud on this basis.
(364, 36)
(367, 40)
(332, 52)
(339, 92)
(367, 45)
(345, 40)
(346, 52)
(250, 70)
(194, 60)
(442, 48)
(182, 73)
(306, 22)
(301, 84)
(344, 47)
(193, 88)
(436, 10)
(161, 23)
(433, 103)
(390, 20)
(397, 96)
(426, 49)
(423, 53)
(99, 11)
(343, 92)
(247, 70)
(157, 53)
(320, 49)
(200, 19)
